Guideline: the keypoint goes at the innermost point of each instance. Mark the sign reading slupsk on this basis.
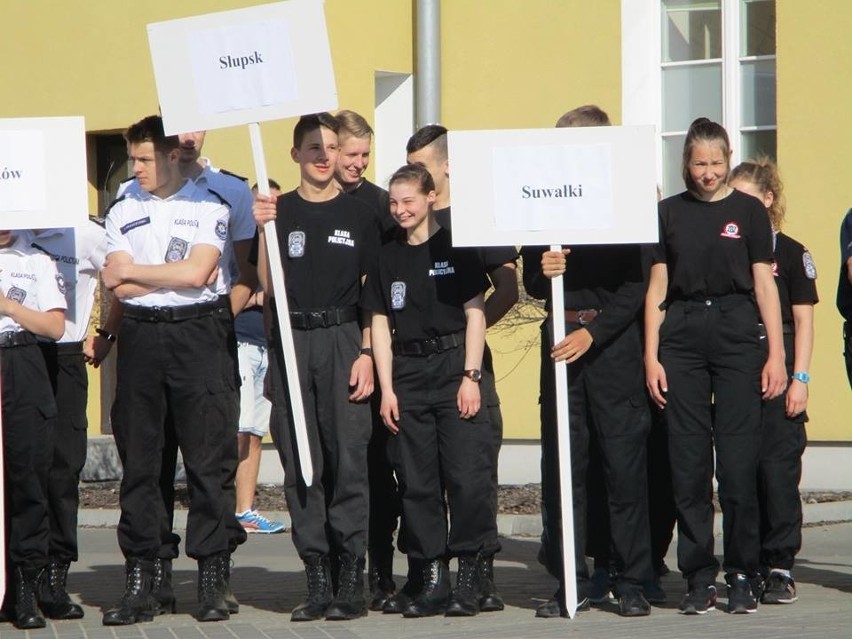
(591, 185)
(43, 173)
(256, 64)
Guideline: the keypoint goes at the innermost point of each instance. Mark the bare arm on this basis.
(655, 375)
(246, 285)
(192, 272)
(50, 323)
(264, 211)
(797, 393)
(504, 279)
(383, 357)
(773, 379)
(468, 397)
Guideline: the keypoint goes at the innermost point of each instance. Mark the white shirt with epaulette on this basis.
(79, 255)
(29, 278)
(158, 231)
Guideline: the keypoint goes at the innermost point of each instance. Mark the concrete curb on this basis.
(507, 525)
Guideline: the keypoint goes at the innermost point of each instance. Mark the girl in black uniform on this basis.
(428, 339)
(32, 303)
(783, 436)
(706, 362)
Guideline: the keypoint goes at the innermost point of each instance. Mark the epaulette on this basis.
(113, 203)
(128, 179)
(220, 198)
(239, 177)
(100, 221)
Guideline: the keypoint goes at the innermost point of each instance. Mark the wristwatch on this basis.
(802, 377)
(473, 374)
(367, 351)
(110, 337)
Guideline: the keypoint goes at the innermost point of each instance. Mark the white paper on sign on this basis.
(22, 173)
(244, 66)
(553, 187)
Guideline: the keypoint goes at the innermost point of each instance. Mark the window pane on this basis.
(758, 99)
(672, 159)
(690, 92)
(757, 143)
(758, 27)
(692, 30)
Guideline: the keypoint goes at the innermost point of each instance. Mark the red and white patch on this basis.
(731, 230)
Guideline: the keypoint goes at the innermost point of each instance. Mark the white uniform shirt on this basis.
(235, 192)
(30, 278)
(157, 231)
(79, 255)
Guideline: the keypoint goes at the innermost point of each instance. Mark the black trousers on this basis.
(330, 516)
(712, 350)
(438, 452)
(384, 492)
(182, 370)
(661, 506)
(491, 402)
(29, 415)
(847, 350)
(170, 541)
(606, 395)
(783, 441)
(67, 372)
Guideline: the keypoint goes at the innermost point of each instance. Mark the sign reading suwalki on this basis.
(592, 185)
(43, 173)
(242, 66)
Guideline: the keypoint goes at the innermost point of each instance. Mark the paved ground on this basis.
(268, 580)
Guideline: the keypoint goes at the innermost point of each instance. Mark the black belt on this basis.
(10, 339)
(430, 346)
(323, 317)
(175, 313)
(64, 348)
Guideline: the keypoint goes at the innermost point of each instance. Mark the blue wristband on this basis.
(802, 377)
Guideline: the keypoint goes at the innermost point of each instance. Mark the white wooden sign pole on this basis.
(566, 486)
(273, 258)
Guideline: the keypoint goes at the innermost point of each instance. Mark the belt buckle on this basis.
(316, 319)
(432, 345)
(583, 314)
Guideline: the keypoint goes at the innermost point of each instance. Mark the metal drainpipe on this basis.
(428, 70)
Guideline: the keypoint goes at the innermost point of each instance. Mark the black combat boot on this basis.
(349, 603)
(137, 603)
(320, 594)
(230, 597)
(489, 599)
(27, 615)
(211, 589)
(381, 582)
(465, 598)
(53, 594)
(162, 588)
(397, 603)
(435, 593)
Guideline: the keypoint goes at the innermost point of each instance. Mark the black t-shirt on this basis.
(492, 257)
(710, 247)
(423, 289)
(379, 202)
(795, 274)
(325, 249)
(610, 278)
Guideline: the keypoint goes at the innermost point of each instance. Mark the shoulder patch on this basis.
(60, 283)
(219, 197)
(234, 175)
(112, 204)
(222, 229)
(809, 265)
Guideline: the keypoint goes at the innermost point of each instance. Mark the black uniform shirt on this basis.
(609, 278)
(423, 288)
(325, 249)
(492, 257)
(795, 274)
(844, 288)
(710, 247)
(379, 202)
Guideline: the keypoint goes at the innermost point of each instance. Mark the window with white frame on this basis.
(713, 58)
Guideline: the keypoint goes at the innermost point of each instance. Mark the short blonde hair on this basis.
(587, 115)
(353, 125)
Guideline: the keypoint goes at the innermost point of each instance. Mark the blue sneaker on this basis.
(253, 522)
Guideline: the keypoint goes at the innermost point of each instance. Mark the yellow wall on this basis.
(814, 144)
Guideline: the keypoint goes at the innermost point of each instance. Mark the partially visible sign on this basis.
(260, 63)
(594, 185)
(43, 181)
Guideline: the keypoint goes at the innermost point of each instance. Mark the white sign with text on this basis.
(594, 185)
(268, 62)
(43, 180)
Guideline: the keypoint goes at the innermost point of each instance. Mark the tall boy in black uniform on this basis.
(164, 245)
(604, 291)
(429, 336)
(326, 240)
(428, 146)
